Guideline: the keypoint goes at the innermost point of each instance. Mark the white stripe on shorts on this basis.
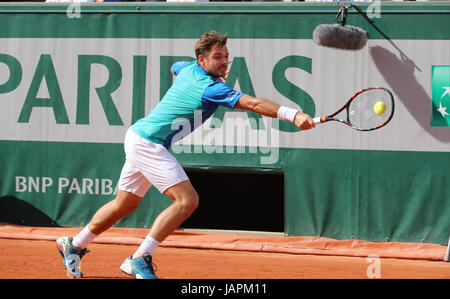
(148, 164)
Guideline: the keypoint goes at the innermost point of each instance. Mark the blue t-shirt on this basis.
(194, 94)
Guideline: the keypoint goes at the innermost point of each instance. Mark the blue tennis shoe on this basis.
(141, 267)
(71, 256)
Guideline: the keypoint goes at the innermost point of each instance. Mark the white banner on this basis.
(81, 90)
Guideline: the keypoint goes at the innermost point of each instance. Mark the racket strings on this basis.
(361, 112)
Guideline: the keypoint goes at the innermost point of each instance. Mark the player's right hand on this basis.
(303, 121)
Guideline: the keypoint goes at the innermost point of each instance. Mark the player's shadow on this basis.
(399, 75)
(17, 211)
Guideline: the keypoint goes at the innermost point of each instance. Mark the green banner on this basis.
(440, 98)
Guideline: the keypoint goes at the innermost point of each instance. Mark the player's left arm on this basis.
(268, 108)
(178, 66)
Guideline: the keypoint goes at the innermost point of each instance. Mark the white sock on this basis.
(148, 246)
(83, 238)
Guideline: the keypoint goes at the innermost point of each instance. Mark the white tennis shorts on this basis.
(147, 164)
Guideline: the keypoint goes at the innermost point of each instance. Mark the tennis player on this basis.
(197, 86)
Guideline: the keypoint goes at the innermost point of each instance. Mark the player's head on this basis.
(212, 53)
(209, 39)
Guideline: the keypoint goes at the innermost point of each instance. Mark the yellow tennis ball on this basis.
(379, 108)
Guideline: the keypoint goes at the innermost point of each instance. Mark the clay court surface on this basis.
(18, 256)
(207, 256)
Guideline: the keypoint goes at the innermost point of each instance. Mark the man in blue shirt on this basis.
(197, 87)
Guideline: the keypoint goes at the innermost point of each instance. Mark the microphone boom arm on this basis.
(343, 12)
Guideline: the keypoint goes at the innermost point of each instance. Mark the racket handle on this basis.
(317, 120)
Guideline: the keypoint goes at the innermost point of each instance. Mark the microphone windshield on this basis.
(340, 37)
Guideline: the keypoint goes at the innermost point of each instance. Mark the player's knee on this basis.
(126, 207)
(195, 201)
(189, 204)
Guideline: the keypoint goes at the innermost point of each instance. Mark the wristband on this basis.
(286, 113)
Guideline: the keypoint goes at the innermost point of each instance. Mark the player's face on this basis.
(216, 61)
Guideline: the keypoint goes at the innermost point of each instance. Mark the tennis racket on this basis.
(364, 110)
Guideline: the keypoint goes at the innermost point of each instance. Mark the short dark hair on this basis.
(208, 40)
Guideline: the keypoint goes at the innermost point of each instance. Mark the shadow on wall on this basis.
(16, 211)
(399, 75)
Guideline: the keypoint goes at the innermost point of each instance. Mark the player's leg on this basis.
(161, 168)
(73, 249)
(185, 201)
(132, 187)
(124, 204)
(166, 174)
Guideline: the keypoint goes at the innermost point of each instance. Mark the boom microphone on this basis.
(340, 36)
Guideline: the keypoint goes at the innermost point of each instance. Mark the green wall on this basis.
(390, 184)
